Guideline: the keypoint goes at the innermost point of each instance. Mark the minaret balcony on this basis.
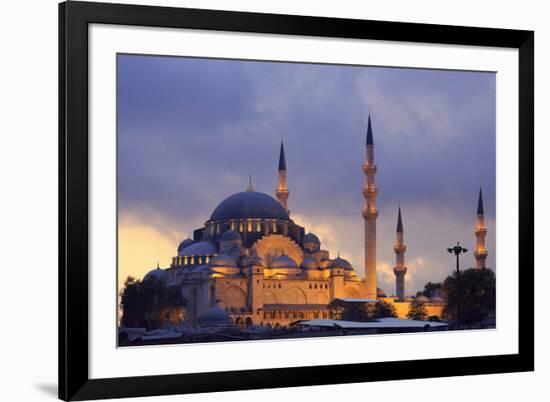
(399, 271)
(369, 169)
(400, 248)
(480, 231)
(370, 192)
(370, 213)
(480, 254)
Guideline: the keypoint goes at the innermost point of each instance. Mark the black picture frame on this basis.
(74, 18)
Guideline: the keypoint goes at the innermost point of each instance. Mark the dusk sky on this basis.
(192, 130)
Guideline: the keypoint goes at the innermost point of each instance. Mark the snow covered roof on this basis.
(356, 300)
(293, 307)
(381, 323)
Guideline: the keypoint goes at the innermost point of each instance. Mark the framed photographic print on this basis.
(257, 200)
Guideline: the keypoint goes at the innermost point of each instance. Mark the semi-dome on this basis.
(284, 261)
(340, 263)
(230, 235)
(199, 248)
(214, 316)
(249, 204)
(156, 273)
(223, 260)
(257, 261)
(185, 243)
(309, 263)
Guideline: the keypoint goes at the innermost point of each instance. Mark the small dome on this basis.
(309, 263)
(214, 316)
(199, 248)
(380, 293)
(223, 260)
(230, 235)
(284, 261)
(156, 273)
(340, 263)
(311, 238)
(311, 242)
(185, 243)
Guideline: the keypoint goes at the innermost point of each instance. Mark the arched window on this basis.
(258, 226)
(274, 227)
(249, 226)
(185, 260)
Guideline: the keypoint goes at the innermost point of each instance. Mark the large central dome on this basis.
(249, 204)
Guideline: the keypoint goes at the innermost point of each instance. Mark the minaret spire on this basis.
(480, 231)
(282, 190)
(369, 133)
(370, 213)
(400, 270)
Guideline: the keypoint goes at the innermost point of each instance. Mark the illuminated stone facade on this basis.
(251, 260)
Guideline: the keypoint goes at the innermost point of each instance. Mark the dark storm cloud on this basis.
(192, 130)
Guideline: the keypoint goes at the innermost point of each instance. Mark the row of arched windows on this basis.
(314, 286)
(191, 260)
(245, 225)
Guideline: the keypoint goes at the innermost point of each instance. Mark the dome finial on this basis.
(250, 188)
(158, 266)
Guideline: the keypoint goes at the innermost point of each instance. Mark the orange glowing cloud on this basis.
(140, 246)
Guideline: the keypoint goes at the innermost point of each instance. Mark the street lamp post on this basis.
(457, 250)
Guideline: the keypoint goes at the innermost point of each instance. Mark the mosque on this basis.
(251, 264)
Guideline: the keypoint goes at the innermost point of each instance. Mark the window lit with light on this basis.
(258, 226)
(249, 226)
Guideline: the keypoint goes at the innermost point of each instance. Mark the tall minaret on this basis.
(282, 190)
(481, 231)
(370, 213)
(400, 269)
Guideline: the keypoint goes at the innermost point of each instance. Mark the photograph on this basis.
(261, 200)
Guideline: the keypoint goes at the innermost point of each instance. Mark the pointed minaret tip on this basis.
(369, 133)
(282, 160)
(399, 222)
(480, 203)
(250, 187)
